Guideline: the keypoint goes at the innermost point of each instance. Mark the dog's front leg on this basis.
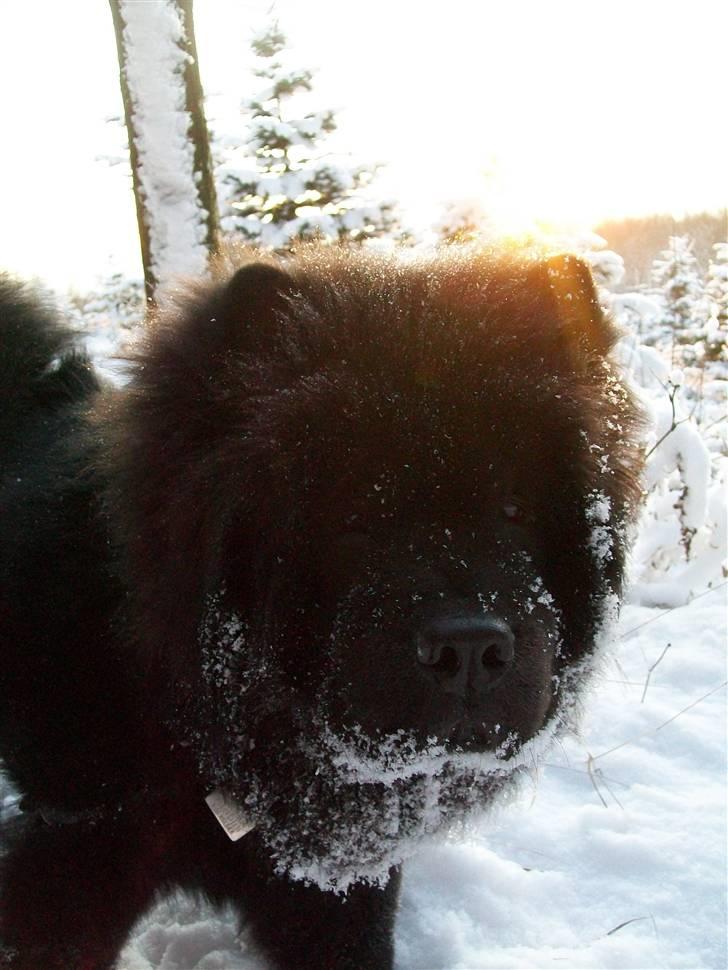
(301, 927)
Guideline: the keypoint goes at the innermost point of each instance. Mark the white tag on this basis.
(229, 814)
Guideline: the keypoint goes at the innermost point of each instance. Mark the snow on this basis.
(153, 33)
(598, 513)
(683, 450)
(681, 544)
(606, 265)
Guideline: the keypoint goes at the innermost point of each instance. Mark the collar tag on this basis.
(229, 814)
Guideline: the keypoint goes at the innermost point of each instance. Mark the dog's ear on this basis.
(254, 298)
(579, 318)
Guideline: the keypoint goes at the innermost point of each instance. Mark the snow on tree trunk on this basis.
(168, 140)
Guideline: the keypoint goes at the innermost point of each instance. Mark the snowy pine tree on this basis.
(716, 288)
(294, 191)
(716, 297)
(675, 272)
(463, 220)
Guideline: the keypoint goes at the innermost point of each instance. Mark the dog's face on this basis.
(398, 493)
(428, 580)
(415, 620)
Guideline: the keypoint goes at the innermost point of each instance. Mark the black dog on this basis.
(336, 555)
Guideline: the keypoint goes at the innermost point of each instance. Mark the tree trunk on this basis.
(169, 149)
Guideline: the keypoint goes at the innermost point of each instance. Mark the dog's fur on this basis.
(340, 547)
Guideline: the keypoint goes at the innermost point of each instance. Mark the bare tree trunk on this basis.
(169, 149)
(195, 101)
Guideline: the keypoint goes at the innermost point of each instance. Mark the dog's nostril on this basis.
(439, 657)
(464, 652)
(497, 654)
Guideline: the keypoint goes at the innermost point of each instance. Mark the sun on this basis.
(514, 200)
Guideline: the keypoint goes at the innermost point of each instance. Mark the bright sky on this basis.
(567, 110)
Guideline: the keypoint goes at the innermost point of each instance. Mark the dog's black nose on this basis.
(466, 652)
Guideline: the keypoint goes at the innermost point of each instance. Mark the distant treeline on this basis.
(639, 240)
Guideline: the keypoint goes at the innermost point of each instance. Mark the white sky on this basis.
(578, 110)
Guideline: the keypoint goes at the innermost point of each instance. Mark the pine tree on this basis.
(462, 221)
(294, 192)
(675, 272)
(716, 288)
(716, 296)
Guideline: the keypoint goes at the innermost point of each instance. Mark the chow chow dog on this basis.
(309, 588)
